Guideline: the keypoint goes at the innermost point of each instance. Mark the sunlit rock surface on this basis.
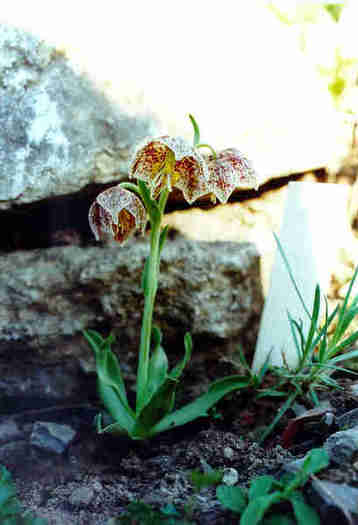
(58, 133)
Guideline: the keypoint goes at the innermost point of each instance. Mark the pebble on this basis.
(342, 445)
(9, 431)
(349, 419)
(228, 452)
(230, 477)
(336, 502)
(51, 437)
(81, 496)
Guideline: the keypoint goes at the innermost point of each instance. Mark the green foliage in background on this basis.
(265, 492)
(11, 512)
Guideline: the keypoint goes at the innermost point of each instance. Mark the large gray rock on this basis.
(57, 132)
(48, 296)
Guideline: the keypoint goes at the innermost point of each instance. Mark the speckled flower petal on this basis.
(149, 160)
(116, 214)
(168, 162)
(228, 171)
(191, 178)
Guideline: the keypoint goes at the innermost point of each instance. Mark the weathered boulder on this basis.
(47, 296)
(58, 133)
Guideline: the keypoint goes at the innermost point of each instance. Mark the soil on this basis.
(99, 475)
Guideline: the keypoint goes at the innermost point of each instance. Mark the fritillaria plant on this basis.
(158, 166)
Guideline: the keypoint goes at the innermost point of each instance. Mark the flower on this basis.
(228, 171)
(116, 214)
(171, 162)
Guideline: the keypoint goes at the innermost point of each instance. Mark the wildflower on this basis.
(116, 214)
(171, 162)
(229, 170)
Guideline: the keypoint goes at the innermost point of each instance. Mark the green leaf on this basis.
(260, 486)
(280, 413)
(196, 138)
(160, 405)
(345, 344)
(163, 238)
(262, 372)
(157, 337)
(157, 371)
(304, 514)
(314, 320)
(110, 383)
(256, 509)
(179, 368)
(316, 460)
(107, 365)
(124, 418)
(162, 400)
(232, 498)
(342, 311)
(201, 405)
(202, 480)
(335, 10)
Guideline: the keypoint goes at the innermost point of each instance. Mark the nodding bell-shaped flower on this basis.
(116, 214)
(167, 162)
(228, 171)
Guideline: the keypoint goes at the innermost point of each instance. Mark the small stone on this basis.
(342, 445)
(349, 419)
(354, 390)
(336, 502)
(9, 431)
(81, 496)
(51, 437)
(230, 477)
(228, 452)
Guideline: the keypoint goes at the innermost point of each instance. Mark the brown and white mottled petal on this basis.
(171, 161)
(116, 214)
(246, 176)
(222, 179)
(149, 160)
(191, 177)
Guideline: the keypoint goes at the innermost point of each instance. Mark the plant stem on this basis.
(149, 299)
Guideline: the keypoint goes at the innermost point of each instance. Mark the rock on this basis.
(82, 496)
(47, 297)
(51, 437)
(349, 419)
(228, 452)
(230, 477)
(335, 502)
(15, 453)
(341, 446)
(30, 385)
(9, 431)
(58, 132)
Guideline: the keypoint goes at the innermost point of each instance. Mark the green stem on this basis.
(130, 186)
(213, 152)
(150, 293)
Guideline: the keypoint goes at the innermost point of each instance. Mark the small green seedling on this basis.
(11, 512)
(140, 513)
(266, 491)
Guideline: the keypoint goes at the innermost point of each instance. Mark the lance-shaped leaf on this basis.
(171, 162)
(116, 214)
